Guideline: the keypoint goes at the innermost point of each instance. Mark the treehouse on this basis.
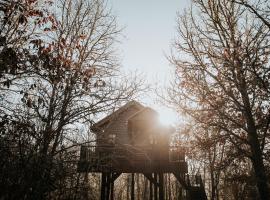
(132, 140)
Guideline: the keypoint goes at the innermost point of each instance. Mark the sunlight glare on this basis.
(167, 116)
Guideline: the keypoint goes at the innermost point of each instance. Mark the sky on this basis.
(149, 27)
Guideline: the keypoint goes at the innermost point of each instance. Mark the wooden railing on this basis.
(131, 159)
(88, 153)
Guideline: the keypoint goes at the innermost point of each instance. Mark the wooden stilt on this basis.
(112, 187)
(155, 187)
(103, 186)
(161, 187)
(132, 187)
(128, 187)
(151, 189)
(107, 186)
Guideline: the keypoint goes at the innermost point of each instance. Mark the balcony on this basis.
(132, 159)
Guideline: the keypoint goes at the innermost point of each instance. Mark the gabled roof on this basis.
(112, 116)
(145, 109)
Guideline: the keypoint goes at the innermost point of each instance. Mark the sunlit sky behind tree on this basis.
(149, 29)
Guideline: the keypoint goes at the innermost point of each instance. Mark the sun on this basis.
(167, 116)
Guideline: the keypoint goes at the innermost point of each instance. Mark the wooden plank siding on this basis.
(117, 126)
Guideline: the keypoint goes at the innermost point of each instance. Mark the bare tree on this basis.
(70, 75)
(222, 77)
(259, 8)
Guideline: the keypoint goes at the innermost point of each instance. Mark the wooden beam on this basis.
(115, 175)
(155, 187)
(108, 186)
(112, 187)
(149, 177)
(181, 181)
(132, 187)
(103, 186)
(156, 183)
(161, 186)
(151, 190)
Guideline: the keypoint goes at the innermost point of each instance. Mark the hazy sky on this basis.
(149, 28)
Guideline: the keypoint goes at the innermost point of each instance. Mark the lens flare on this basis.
(167, 116)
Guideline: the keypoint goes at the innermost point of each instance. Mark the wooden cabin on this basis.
(132, 140)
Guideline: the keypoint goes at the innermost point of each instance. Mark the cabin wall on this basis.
(119, 126)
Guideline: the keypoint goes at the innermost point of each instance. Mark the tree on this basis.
(64, 74)
(259, 8)
(21, 22)
(222, 77)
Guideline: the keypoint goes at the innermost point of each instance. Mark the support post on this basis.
(151, 189)
(112, 186)
(132, 187)
(157, 181)
(161, 187)
(103, 186)
(155, 187)
(108, 185)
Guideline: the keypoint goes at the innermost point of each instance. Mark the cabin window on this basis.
(112, 138)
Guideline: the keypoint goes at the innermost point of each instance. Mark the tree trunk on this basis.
(259, 169)
(257, 159)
